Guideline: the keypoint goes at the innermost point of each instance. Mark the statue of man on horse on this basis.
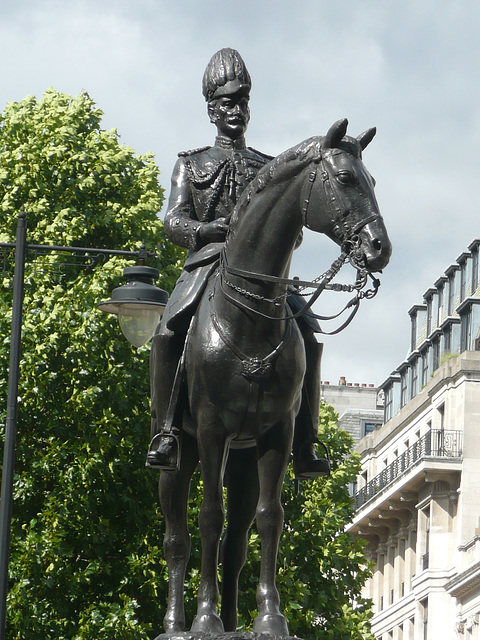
(235, 366)
(206, 185)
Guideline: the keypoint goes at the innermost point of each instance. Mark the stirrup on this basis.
(166, 460)
(320, 466)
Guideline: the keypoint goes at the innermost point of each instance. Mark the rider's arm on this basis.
(182, 225)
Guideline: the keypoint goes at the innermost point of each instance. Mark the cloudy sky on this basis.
(409, 67)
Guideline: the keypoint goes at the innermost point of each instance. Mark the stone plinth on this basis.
(233, 635)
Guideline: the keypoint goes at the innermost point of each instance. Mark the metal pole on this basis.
(11, 422)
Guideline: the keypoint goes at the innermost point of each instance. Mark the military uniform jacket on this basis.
(206, 184)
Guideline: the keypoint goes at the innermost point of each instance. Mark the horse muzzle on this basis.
(377, 250)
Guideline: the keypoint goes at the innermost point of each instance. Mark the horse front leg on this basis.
(213, 449)
(241, 480)
(274, 452)
(174, 490)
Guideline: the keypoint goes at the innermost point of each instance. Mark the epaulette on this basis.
(184, 154)
(263, 155)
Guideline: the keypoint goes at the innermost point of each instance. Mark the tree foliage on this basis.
(86, 529)
(320, 563)
(86, 552)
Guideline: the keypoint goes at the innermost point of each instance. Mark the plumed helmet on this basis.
(225, 74)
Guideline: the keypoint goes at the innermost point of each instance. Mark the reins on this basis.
(348, 239)
(294, 282)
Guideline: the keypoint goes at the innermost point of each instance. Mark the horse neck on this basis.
(260, 241)
(263, 237)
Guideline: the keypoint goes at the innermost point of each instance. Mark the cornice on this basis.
(464, 582)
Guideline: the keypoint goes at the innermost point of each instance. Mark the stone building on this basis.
(418, 494)
(359, 406)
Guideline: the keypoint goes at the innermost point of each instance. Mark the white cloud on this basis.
(410, 68)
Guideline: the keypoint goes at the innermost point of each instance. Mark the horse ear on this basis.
(335, 134)
(366, 137)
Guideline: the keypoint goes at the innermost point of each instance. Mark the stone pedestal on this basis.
(233, 635)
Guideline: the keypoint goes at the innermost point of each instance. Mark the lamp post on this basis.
(11, 421)
(139, 299)
(138, 304)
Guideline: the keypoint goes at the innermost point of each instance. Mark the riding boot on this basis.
(165, 355)
(306, 464)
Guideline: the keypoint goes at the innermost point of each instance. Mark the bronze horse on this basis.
(244, 366)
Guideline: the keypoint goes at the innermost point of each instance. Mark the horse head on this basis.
(338, 198)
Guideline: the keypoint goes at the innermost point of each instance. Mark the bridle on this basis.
(347, 236)
(337, 207)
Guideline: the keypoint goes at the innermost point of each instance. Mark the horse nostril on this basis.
(377, 245)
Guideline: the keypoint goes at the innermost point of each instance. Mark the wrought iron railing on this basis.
(436, 443)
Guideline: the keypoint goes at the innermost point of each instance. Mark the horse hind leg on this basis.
(274, 451)
(241, 480)
(174, 490)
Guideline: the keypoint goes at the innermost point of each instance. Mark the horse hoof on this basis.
(273, 623)
(173, 625)
(207, 623)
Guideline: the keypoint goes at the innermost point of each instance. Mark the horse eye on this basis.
(345, 177)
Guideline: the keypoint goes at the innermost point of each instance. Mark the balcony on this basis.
(436, 444)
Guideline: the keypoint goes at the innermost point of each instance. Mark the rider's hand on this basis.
(214, 231)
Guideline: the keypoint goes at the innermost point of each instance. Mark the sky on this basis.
(408, 67)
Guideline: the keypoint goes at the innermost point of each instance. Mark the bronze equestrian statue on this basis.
(239, 381)
(206, 185)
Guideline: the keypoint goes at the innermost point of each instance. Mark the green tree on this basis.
(86, 556)
(320, 563)
(86, 560)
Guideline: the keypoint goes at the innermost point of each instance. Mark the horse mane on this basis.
(283, 166)
(286, 165)
(274, 171)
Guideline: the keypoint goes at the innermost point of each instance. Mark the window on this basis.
(369, 426)
(424, 368)
(388, 403)
(403, 388)
(440, 305)
(414, 380)
(429, 315)
(451, 294)
(474, 270)
(465, 331)
(447, 340)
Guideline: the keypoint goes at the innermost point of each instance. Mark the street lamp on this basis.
(139, 299)
(138, 304)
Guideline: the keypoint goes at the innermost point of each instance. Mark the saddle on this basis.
(198, 268)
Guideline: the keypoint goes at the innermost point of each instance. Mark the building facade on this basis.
(359, 406)
(418, 494)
